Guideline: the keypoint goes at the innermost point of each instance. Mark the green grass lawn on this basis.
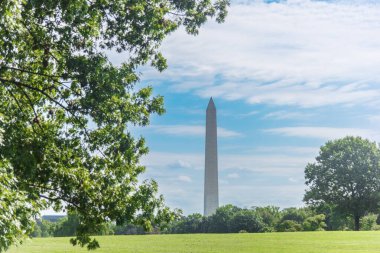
(304, 242)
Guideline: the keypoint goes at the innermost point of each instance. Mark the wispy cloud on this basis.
(184, 178)
(186, 130)
(280, 115)
(173, 160)
(180, 164)
(324, 133)
(293, 150)
(300, 53)
(278, 163)
(374, 118)
(233, 175)
(248, 114)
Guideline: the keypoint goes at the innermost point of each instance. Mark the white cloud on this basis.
(223, 182)
(325, 133)
(180, 164)
(186, 130)
(282, 195)
(287, 115)
(248, 114)
(374, 118)
(302, 53)
(268, 164)
(279, 163)
(184, 178)
(233, 175)
(251, 113)
(170, 159)
(184, 164)
(309, 151)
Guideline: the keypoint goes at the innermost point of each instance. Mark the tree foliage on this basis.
(295, 214)
(288, 226)
(194, 223)
(315, 223)
(15, 212)
(219, 222)
(44, 228)
(368, 222)
(246, 220)
(232, 219)
(66, 226)
(334, 219)
(270, 216)
(65, 107)
(346, 174)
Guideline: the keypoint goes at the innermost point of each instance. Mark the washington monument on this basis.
(211, 195)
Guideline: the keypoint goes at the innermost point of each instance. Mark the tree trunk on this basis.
(357, 220)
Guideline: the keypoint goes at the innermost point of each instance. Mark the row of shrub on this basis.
(63, 226)
(227, 219)
(232, 219)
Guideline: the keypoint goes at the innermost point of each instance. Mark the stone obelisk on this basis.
(211, 195)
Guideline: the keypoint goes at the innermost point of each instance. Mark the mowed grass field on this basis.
(302, 242)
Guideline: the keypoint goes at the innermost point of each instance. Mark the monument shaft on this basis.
(211, 195)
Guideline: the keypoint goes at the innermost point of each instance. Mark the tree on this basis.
(288, 226)
(346, 175)
(43, 228)
(315, 223)
(15, 212)
(270, 215)
(65, 108)
(333, 218)
(245, 220)
(295, 214)
(368, 222)
(129, 229)
(219, 222)
(66, 226)
(187, 224)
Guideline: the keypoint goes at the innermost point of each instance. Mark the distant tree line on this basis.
(67, 226)
(232, 219)
(227, 219)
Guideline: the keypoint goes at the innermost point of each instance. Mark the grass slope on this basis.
(302, 242)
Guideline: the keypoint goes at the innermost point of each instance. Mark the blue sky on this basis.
(286, 76)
